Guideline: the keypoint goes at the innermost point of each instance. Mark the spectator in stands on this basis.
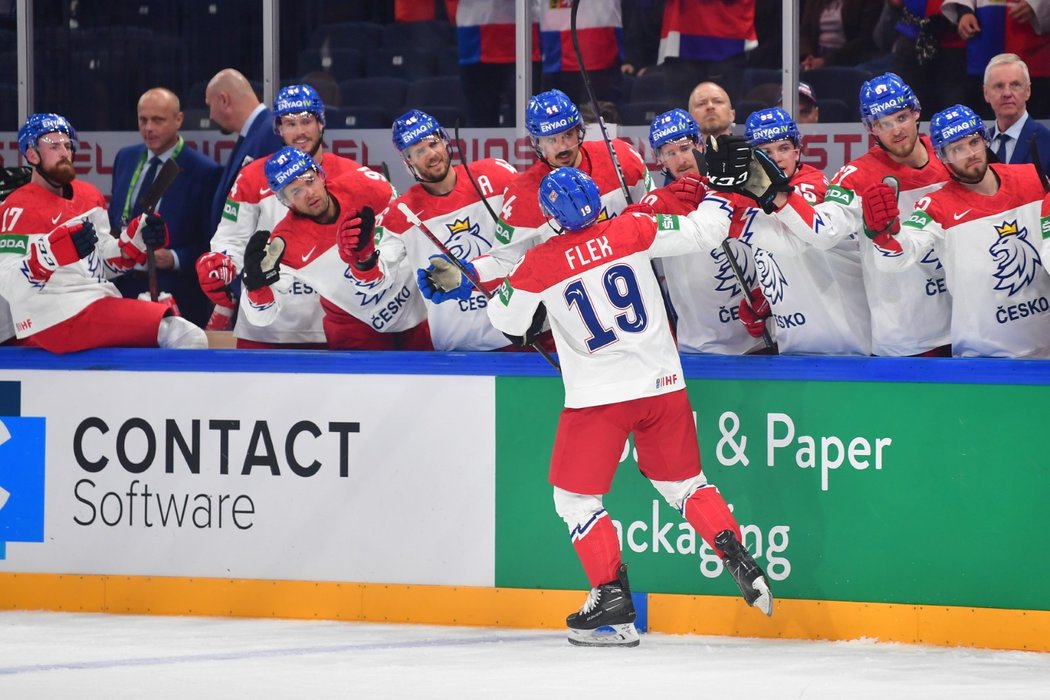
(599, 28)
(185, 207)
(808, 109)
(1007, 88)
(837, 32)
(712, 110)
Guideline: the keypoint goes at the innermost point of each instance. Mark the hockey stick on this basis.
(739, 274)
(1033, 151)
(415, 220)
(466, 169)
(594, 102)
(168, 172)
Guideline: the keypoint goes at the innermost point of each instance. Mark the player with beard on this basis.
(56, 285)
(455, 209)
(304, 249)
(985, 226)
(910, 311)
(250, 206)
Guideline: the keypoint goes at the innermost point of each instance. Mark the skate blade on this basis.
(764, 602)
(624, 635)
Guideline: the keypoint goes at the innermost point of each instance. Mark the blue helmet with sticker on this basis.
(571, 197)
(551, 112)
(953, 124)
(297, 99)
(412, 127)
(39, 124)
(286, 165)
(885, 94)
(672, 126)
(769, 125)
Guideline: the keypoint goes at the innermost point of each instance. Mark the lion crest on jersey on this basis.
(364, 289)
(465, 240)
(1017, 258)
(724, 276)
(770, 277)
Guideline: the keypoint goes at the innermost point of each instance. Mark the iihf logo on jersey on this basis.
(770, 277)
(724, 276)
(1017, 258)
(465, 240)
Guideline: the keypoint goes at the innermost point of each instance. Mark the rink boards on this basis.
(888, 498)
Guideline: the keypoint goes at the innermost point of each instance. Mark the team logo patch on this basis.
(17, 244)
(770, 276)
(839, 194)
(230, 210)
(725, 278)
(504, 232)
(918, 219)
(465, 240)
(505, 292)
(1017, 259)
(21, 471)
(378, 235)
(668, 222)
(1044, 226)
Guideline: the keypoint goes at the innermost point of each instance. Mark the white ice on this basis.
(61, 655)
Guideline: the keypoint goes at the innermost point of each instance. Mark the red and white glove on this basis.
(355, 239)
(754, 316)
(221, 319)
(216, 273)
(881, 213)
(147, 231)
(163, 298)
(688, 189)
(63, 246)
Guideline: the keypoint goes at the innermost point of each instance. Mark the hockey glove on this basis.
(72, 243)
(533, 331)
(262, 260)
(754, 316)
(216, 273)
(881, 213)
(155, 232)
(688, 189)
(133, 240)
(764, 182)
(639, 208)
(728, 162)
(13, 178)
(355, 239)
(442, 280)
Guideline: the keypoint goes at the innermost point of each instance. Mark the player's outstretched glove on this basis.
(215, 273)
(72, 243)
(754, 316)
(728, 162)
(688, 189)
(881, 213)
(534, 329)
(355, 239)
(765, 181)
(443, 281)
(262, 260)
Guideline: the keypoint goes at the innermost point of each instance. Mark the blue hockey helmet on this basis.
(570, 197)
(952, 124)
(297, 99)
(286, 165)
(885, 94)
(412, 127)
(551, 112)
(672, 126)
(39, 124)
(769, 125)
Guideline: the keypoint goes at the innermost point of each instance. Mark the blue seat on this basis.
(835, 111)
(444, 90)
(405, 63)
(758, 76)
(360, 36)
(648, 88)
(838, 83)
(435, 34)
(641, 113)
(385, 93)
(196, 120)
(358, 117)
(341, 64)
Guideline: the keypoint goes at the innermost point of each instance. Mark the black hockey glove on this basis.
(764, 182)
(262, 260)
(13, 178)
(538, 319)
(728, 160)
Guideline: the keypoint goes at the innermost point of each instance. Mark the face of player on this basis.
(784, 153)
(301, 131)
(967, 158)
(677, 157)
(561, 149)
(898, 132)
(430, 159)
(308, 195)
(1007, 91)
(55, 154)
(159, 125)
(709, 104)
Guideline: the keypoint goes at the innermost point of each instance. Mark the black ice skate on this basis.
(747, 574)
(607, 617)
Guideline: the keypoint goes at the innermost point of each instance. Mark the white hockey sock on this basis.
(176, 332)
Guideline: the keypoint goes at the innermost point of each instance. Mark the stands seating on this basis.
(386, 93)
(641, 113)
(838, 83)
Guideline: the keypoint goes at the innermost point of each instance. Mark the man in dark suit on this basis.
(186, 206)
(234, 107)
(1007, 88)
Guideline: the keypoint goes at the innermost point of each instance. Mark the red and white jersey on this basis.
(604, 303)
(599, 27)
(460, 220)
(27, 216)
(523, 224)
(708, 30)
(989, 245)
(250, 207)
(311, 260)
(816, 296)
(910, 310)
(703, 289)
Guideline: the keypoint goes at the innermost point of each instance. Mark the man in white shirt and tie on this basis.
(1007, 88)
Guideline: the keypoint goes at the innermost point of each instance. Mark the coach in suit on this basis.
(186, 206)
(1007, 88)
(235, 109)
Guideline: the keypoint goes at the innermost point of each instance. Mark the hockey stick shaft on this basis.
(474, 281)
(470, 176)
(739, 274)
(168, 172)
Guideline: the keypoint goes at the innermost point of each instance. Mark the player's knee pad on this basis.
(177, 332)
(676, 493)
(579, 511)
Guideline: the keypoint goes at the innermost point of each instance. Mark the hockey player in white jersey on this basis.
(815, 297)
(910, 311)
(460, 208)
(250, 206)
(984, 226)
(622, 375)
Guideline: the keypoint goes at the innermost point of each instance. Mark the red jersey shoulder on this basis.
(356, 189)
(251, 186)
(500, 173)
(600, 167)
(41, 210)
(304, 239)
(335, 166)
(521, 206)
